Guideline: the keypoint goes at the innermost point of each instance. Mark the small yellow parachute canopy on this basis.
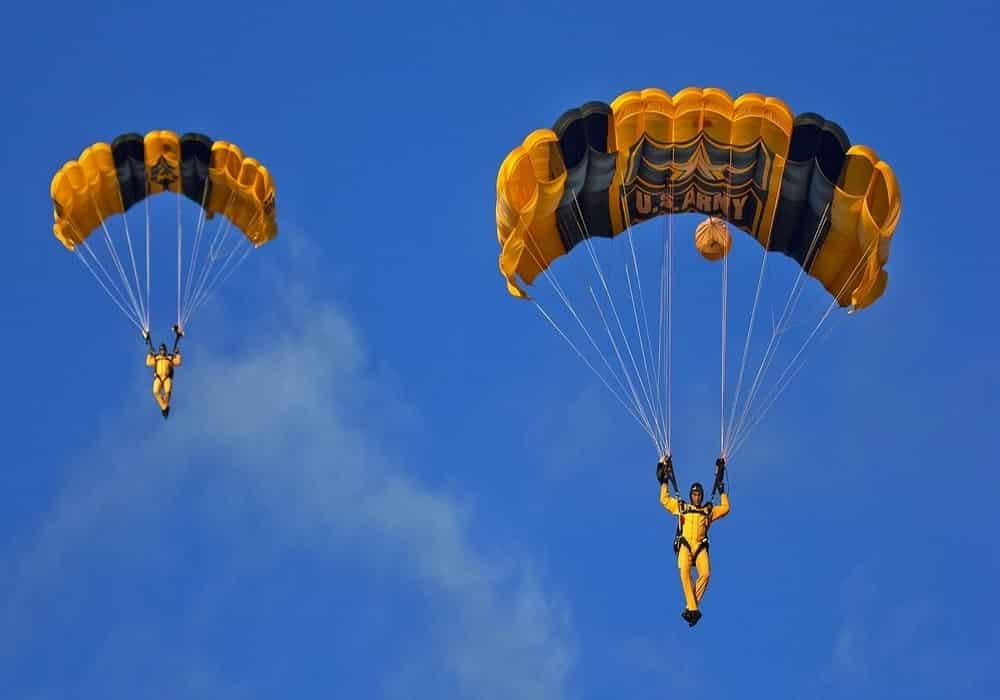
(795, 184)
(712, 238)
(109, 179)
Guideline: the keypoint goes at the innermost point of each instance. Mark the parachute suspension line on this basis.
(654, 360)
(214, 253)
(143, 303)
(113, 251)
(625, 376)
(651, 396)
(621, 329)
(553, 280)
(659, 378)
(777, 390)
(722, 379)
(210, 274)
(226, 270)
(637, 400)
(593, 256)
(785, 378)
(645, 345)
(650, 387)
(725, 314)
(202, 272)
(222, 275)
(149, 298)
(749, 336)
(658, 375)
(727, 430)
(145, 201)
(594, 370)
(778, 329)
(670, 292)
(180, 260)
(195, 249)
(115, 298)
(668, 384)
(643, 418)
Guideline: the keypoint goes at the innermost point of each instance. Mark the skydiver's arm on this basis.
(666, 500)
(150, 359)
(175, 359)
(721, 510)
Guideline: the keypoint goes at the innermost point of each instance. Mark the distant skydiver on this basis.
(691, 538)
(163, 364)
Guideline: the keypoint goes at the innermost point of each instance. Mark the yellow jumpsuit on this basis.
(694, 522)
(163, 375)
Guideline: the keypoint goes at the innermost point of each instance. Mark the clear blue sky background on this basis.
(385, 478)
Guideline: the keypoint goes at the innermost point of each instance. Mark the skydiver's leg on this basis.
(157, 389)
(168, 386)
(704, 570)
(684, 566)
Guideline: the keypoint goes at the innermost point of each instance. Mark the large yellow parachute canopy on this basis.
(749, 161)
(110, 179)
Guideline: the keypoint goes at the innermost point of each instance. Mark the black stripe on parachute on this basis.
(129, 153)
(196, 157)
(590, 169)
(130, 162)
(816, 157)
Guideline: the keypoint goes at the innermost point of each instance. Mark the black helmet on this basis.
(163, 347)
(696, 486)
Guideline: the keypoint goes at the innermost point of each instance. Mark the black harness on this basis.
(170, 367)
(684, 507)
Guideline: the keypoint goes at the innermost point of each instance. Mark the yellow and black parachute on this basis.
(103, 185)
(794, 183)
(780, 177)
(110, 178)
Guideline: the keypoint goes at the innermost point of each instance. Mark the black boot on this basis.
(694, 617)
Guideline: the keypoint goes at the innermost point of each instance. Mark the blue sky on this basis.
(385, 478)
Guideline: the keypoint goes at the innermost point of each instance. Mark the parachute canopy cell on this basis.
(780, 178)
(109, 179)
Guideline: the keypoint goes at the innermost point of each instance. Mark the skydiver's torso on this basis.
(694, 521)
(164, 366)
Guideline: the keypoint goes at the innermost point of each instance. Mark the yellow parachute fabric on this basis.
(749, 161)
(107, 179)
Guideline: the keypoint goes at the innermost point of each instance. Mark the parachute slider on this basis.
(712, 238)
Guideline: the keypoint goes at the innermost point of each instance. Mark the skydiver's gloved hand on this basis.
(178, 334)
(720, 474)
(145, 336)
(664, 469)
(665, 472)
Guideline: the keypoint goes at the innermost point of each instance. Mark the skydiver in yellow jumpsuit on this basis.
(163, 364)
(691, 541)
